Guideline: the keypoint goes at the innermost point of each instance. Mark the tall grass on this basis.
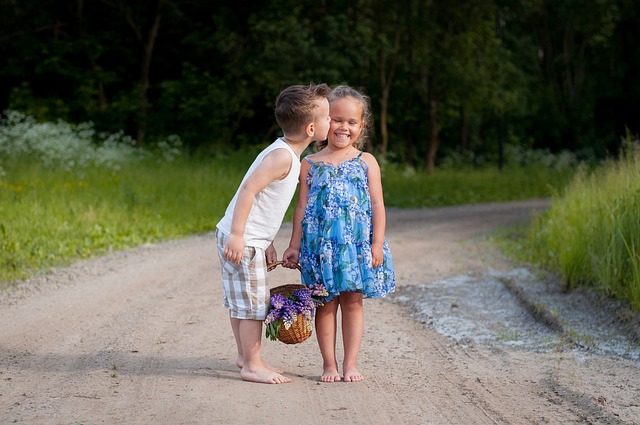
(591, 233)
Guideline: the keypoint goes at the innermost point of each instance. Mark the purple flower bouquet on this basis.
(291, 308)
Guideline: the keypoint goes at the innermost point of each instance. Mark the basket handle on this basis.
(279, 263)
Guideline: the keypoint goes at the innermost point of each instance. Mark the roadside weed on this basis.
(591, 233)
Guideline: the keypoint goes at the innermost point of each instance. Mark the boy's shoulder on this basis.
(277, 148)
(275, 163)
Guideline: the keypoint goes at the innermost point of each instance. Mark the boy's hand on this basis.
(290, 258)
(234, 249)
(271, 254)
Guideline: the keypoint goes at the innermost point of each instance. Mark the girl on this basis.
(338, 233)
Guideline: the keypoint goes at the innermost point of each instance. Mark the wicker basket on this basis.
(299, 330)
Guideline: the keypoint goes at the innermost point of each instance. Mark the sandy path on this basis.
(140, 338)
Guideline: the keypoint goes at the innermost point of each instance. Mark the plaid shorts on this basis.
(246, 293)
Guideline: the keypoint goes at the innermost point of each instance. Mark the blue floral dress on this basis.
(335, 249)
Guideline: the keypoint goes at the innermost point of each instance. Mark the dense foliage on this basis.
(445, 77)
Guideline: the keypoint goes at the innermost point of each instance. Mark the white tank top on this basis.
(269, 206)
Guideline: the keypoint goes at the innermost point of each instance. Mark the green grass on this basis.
(409, 189)
(70, 192)
(50, 216)
(591, 232)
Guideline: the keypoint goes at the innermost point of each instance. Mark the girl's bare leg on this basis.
(352, 330)
(326, 334)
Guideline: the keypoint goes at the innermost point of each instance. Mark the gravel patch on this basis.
(517, 309)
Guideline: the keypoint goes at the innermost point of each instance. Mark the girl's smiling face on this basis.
(346, 122)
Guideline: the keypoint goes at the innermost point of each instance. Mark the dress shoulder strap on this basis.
(364, 165)
(309, 160)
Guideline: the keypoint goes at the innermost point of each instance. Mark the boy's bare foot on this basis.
(351, 374)
(330, 374)
(240, 364)
(263, 375)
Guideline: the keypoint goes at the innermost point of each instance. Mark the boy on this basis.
(246, 232)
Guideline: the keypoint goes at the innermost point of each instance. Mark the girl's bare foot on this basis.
(330, 374)
(351, 374)
(263, 375)
(240, 364)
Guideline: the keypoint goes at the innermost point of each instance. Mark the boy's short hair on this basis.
(295, 106)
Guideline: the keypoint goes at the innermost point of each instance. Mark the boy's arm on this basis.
(274, 166)
(378, 212)
(271, 254)
(292, 253)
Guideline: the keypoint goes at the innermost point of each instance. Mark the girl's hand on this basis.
(290, 258)
(376, 255)
(234, 249)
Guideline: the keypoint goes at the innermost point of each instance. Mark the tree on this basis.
(438, 76)
(569, 35)
(388, 33)
(144, 20)
(454, 58)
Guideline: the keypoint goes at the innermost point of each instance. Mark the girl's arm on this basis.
(378, 212)
(292, 253)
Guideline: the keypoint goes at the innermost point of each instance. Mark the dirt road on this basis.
(140, 338)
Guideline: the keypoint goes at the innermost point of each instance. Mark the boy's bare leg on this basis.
(253, 368)
(235, 323)
(235, 326)
(326, 334)
(352, 330)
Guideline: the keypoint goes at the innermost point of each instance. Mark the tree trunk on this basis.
(145, 71)
(95, 68)
(434, 140)
(102, 96)
(384, 132)
(464, 131)
(147, 41)
(410, 150)
(386, 80)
